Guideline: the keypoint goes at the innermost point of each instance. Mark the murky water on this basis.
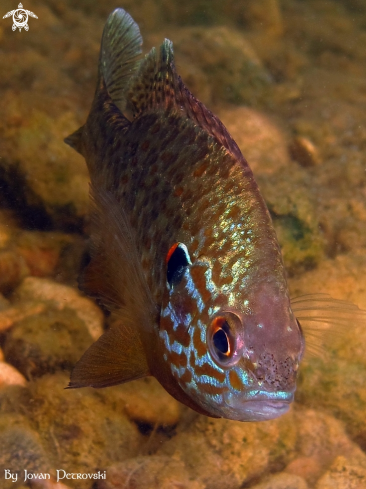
(287, 78)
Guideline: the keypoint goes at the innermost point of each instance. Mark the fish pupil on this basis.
(221, 342)
(178, 260)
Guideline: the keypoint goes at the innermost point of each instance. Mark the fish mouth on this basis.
(260, 406)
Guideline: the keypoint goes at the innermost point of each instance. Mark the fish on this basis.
(183, 251)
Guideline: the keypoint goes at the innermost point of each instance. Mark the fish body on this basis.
(183, 249)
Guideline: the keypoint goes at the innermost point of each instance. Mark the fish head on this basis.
(234, 352)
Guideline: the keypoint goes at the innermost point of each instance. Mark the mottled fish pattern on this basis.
(183, 253)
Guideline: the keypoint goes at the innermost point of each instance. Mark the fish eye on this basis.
(177, 260)
(222, 341)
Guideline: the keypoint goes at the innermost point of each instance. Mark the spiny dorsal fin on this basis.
(157, 84)
(115, 277)
(119, 54)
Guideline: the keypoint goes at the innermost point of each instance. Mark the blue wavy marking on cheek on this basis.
(244, 378)
(178, 370)
(206, 379)
(164, 336)
(177, 347)
(193, 292)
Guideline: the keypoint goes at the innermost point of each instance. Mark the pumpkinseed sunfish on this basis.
(184, 253)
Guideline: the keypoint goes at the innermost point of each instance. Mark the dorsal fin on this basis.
(118, 61)
(157, 84)
(119, 54)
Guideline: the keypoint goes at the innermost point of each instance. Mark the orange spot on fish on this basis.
(194, 246)
(206, 369)
(124, 180)
(179, 360)
(145, 145)
(182, 336)
(199, 280)
(170, 252)
(235, 381)
(201, 169)
(198, 344)
(166, 324)
(235, 212)
(178, 191)
(210, 389)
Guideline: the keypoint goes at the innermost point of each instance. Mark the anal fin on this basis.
(116, 357)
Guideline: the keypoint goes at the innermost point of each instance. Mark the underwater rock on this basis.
(12, 315)
(294, 213)
(217, 450)
(20, 449)
(261, 141)
(41, 254)
(42, 179)
(4, 303)
(344, 474)
(309, 468)
(45, 253)
(9, 375)
(282, 481)
(54, 182)
(80, 430)
(13, 269)
(49, 341)
(62, 296)
(1, 355)
(320, 439)
(263, 15)
(225, 56)
(154, 472)
(146, 402)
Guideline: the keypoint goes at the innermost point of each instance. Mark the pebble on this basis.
(304, 152)
(310, 468)
(145, 401)
(262, 142)
(46, 342)
(13, 315)
(344, 474)
(9, 375)
(62, 296)
(232, 451)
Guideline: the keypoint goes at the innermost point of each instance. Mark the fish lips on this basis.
(259, 405)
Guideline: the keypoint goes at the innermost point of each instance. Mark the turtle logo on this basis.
(20, 17)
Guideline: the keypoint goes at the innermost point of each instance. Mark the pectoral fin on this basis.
(116, 357)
